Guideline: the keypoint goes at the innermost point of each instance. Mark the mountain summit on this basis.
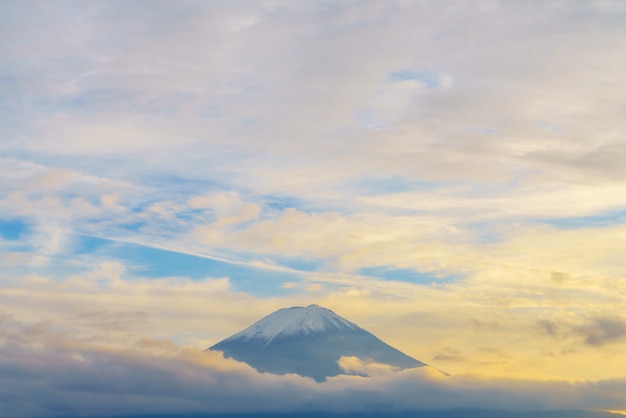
(308, 341)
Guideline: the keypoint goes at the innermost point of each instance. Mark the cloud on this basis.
(449, 354)
(511, 153)
(229, 208)
(49, 372)
(122, 68)
(602, 330)
(548, 327)
(593, 331)
(107, 321)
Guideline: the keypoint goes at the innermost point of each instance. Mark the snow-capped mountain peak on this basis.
(292, 321)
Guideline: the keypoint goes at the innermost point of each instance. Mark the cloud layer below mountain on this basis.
(48, 372)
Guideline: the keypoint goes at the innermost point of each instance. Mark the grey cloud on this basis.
(602, 330)
(600, 163)
(559, 277)
(593, 331)
(449, 354)
(5, 317)
(548, 327)
(113, 321)
(50, 373)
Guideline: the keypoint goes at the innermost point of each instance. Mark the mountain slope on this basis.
(308, 341)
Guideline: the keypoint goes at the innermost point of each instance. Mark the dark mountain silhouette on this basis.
(308, 341)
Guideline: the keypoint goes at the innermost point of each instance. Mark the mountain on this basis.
(308, 341)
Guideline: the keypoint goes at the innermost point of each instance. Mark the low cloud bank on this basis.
(46, 371)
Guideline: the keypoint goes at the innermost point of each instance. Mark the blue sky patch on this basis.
(394, 184)
(429, 78)
(300, 264)
(88, 244)
(156, 263)
(12, 229)
(185, 186)
(484, 233)
(132, 226)
(404, 275)
(595, 221)
(282, 202)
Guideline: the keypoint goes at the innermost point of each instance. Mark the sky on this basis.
(450, 175)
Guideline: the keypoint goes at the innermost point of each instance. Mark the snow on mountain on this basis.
(308, 341)
(293, 321)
